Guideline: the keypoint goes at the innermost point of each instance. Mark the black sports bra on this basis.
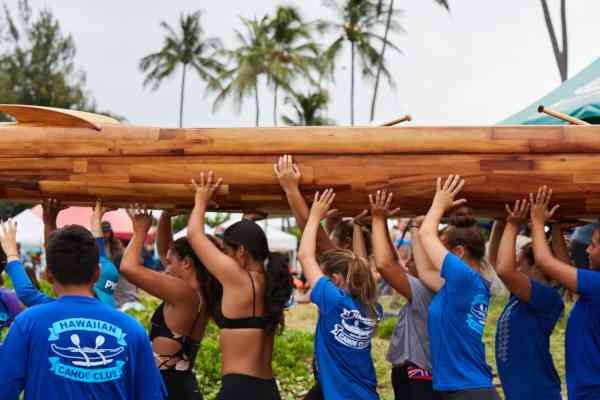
(186, 356)
(252, 322)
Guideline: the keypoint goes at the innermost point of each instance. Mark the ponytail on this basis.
(360, 281)
(278, 291)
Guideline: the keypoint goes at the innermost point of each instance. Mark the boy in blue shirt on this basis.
(75, 347)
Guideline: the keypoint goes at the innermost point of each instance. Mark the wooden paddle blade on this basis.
(56, 116)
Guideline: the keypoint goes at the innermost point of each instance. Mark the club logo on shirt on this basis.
(4, 319)
(354, 331)
(86, 350)
(503, 331)
(478, 314)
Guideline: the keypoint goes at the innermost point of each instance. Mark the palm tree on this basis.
(293, 52)
(187, 48)
(247, 63)
(561, 56)
(389, 25)
(308, 109)
(357, 23)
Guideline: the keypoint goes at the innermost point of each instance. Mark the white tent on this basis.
(30, 229)
(183, 233)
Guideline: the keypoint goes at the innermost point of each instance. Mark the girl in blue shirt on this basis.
(528, 319)
(345, 292)
(582, 339)
(458, 312)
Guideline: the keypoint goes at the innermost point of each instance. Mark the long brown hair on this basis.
(360, 281)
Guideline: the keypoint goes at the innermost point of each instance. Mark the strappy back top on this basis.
(186, 355)
(252, 322)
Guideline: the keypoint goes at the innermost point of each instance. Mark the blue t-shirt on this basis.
(343, 344)
(9, 307)
(28, 294)
(78, 348)
(109, 277)
(523, 345)
(582, 339)
(457, 317)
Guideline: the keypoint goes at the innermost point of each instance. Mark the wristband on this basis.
(12, 255)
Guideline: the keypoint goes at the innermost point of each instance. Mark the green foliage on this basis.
(386, 327)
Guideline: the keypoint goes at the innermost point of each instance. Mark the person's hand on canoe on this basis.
(205, 188)
(381, 204)
(321, 205)
(540, 212)
(446, 192)
(50, 210)
(287, 173)
(140, 218)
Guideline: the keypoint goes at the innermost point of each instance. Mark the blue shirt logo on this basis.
(86, 350)
(478, 313)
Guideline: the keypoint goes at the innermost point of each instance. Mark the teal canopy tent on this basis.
(578, 97)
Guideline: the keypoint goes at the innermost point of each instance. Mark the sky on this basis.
(476, 65)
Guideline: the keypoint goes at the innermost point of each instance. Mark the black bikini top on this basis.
(252, 322)
(189, 346)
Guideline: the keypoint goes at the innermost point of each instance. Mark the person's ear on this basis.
(187, 263)
(96, 274)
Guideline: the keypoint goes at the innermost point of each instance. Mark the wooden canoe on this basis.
(79, 157)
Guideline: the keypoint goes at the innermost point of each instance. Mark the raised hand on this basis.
(539, 205)
(446, 192)
(96, 218)
(50, 210)
(205, 189)
(141, 218)
(287, 172)
(519, 213)
(381, 204)
(362, 219)
(321, 204)
(8, 238)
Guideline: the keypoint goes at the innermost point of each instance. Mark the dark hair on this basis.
(343, 232)
(279, 285)
(360, 281)
(72, 255)
(463, 231)
(210, 288)
(2, 265)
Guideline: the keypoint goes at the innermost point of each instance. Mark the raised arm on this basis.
(163, 286)
(359, 246)
(559, 245)
(224, 268)
(289, 176)
(50, 210)
(442, 202)
(557, 270)
(429, 275)
(494, 242)
(506, 267)
(26, 292)
(385, 256)
(307, 253)
(164, 235)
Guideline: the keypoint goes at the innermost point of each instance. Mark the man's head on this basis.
(72, 257)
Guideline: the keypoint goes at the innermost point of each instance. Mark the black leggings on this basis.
(238, 386)
(411, 389)
(181, 385)
(473, 394)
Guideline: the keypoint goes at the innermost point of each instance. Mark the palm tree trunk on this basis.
(256, 102)
(565, 47)
(275, 105)
(381, 55)
(181, 96)
(560, 56)
(352, 55)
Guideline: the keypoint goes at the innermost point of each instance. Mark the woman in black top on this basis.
(256, 287)
(187, 291)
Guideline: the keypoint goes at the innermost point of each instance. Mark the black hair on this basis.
(279, 283)
(462, 230)
(2, 265)
(210, 288)
(72, 255)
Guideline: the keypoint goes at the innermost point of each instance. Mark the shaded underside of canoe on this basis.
(84, 157)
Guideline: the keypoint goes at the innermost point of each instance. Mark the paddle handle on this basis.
(563, 116)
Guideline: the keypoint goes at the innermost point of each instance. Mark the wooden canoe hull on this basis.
(78, 163)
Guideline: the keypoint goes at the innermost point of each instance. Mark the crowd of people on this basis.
(79, 346)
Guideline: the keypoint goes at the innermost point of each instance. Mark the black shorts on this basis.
(473, 394)
(181, 385)
(412, 386)
(239, 386)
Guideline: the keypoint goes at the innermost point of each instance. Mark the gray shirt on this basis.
(410, 341)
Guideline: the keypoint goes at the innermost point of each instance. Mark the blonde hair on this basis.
(358, 274)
